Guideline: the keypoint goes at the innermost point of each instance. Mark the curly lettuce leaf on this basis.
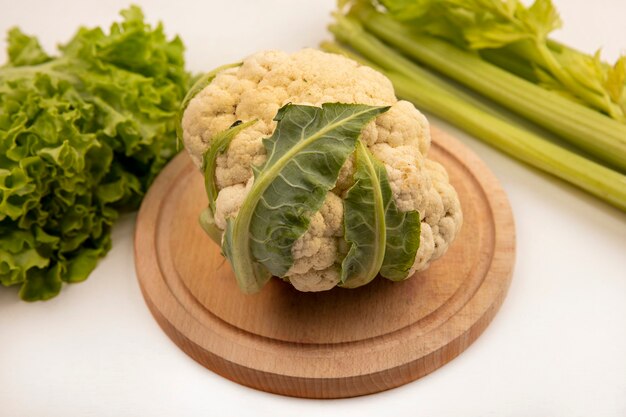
(24, 50)
(304, 156)
(82, 135)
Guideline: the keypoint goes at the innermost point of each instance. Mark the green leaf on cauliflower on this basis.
(382, 239)
(82, 135)
(403, 235)
(219, 144)
(207, 222)
(304, 156)
(251, 275)
(364, 222)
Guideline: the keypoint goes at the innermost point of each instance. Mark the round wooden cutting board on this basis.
(334, 344)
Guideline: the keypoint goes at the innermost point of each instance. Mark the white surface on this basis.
(557, 347)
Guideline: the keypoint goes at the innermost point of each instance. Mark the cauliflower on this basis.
(399, 138)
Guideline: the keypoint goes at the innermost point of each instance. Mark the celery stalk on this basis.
(437, 96)
(585, 128)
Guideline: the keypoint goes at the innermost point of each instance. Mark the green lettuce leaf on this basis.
(304, 156)
(24, 50)
(82, 135)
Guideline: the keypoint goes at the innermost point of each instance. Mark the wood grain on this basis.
(334, 344)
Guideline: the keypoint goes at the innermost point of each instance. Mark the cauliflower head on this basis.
(398, 138)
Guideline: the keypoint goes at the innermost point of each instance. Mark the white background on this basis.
(557, 347)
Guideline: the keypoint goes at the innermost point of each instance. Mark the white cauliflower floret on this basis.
(235, 166)
(229, 201)
(316, 280)
(450, 221)
(399, 138)
(317, 248)
(401, 125)
(332, 215)
(321, 254)
(273, 79)
(425, 250)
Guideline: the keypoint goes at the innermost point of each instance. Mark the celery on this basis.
(440, 97)
(511, 27)
(585, 128)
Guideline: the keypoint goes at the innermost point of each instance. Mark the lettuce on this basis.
(82, 135)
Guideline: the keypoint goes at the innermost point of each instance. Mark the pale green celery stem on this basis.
(510, 62)
(558, 49)
(601, 102)
(525, 146)
(335, 48)
(583, 127)
(552, 50)
(594, 178)
(536, 51)
(508, 58)
(396, 62)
